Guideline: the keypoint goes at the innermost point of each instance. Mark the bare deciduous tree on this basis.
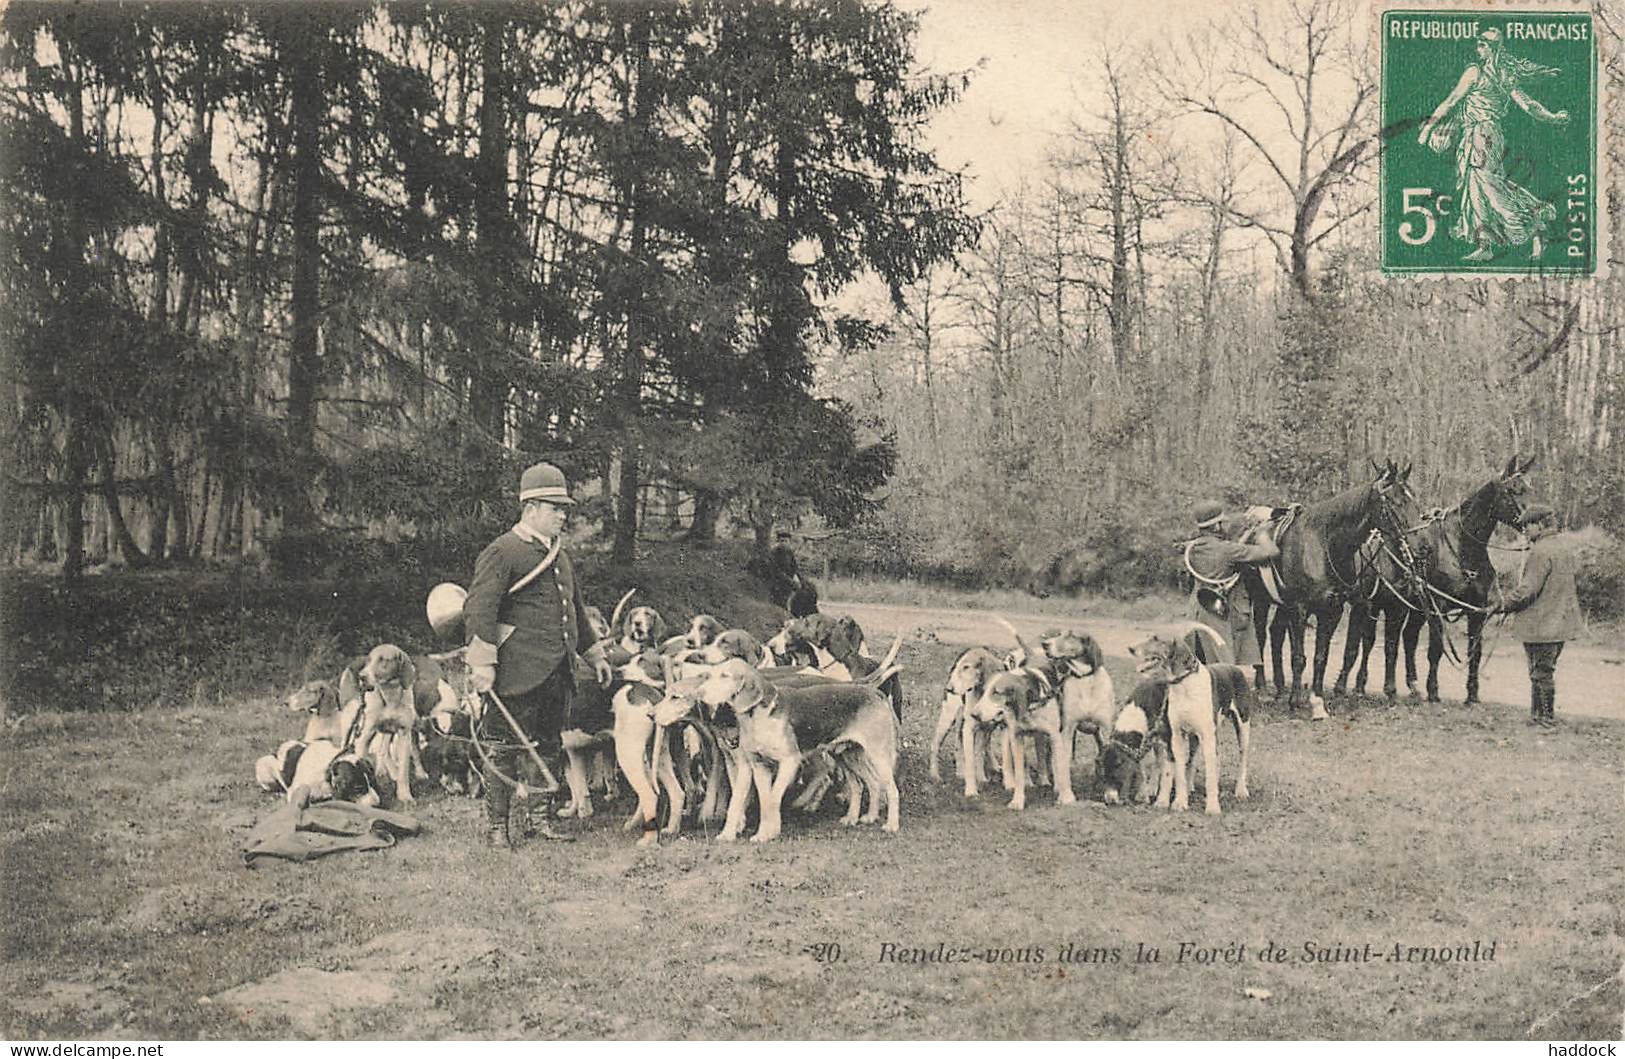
(1299, 90)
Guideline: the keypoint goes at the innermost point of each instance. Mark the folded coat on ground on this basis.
(304, 832)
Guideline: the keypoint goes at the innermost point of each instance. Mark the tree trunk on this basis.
(73, 496)
(629, 388)
(115, 514)
(1121, 317)
(75, 417)
(708, 505)
(160, 499)
(488, 389)
(304, 363)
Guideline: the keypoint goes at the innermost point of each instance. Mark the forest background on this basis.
(286, 285)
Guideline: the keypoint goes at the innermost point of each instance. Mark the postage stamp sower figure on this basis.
(1489, 160)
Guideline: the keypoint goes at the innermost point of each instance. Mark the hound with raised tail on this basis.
(1196, 695)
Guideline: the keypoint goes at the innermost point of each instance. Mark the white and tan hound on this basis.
(782, 725)
(967, 678)
(1196, 695)
(387, 683)
(644, 629)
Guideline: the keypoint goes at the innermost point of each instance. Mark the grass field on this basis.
(127, 912)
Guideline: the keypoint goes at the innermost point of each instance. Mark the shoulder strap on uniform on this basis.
(540, 568)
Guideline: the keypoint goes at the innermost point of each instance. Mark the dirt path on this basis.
(1590, 679)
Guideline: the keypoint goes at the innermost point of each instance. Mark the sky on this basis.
(1035, 55)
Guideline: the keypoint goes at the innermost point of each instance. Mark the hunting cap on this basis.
(1208, 513)
(1535, 514)
(543, 481)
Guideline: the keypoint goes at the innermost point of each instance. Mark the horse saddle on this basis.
(1273, 529)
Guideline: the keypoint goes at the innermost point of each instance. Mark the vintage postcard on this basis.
(780, 520)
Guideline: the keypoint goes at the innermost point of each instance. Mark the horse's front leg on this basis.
(1475, 653)
(1296, 631)
(1262, 615)
(1280, 630)
(1368, 643)
(1394, 620)
(1352, 649)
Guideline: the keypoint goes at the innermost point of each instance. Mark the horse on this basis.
(1458, 578)
(1319, 566)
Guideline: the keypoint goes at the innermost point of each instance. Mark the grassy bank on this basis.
(128, 640)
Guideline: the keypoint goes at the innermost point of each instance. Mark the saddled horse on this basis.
(1457, 576)
(1319, 567)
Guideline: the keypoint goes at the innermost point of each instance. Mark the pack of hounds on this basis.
(706, 724)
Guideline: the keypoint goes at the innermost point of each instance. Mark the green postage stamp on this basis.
(1490, 153)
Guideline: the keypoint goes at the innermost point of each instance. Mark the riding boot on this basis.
(533, 818)
(497, 836)
(498, 790)
(497, 798)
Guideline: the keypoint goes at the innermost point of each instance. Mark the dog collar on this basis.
(1137, 755)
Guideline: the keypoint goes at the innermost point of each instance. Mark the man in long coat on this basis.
(1545, 608)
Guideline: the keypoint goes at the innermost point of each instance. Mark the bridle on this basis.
(1392, 537)
(1431, 595)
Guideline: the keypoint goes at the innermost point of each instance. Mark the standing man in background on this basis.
(526, 623)
(1545, 608)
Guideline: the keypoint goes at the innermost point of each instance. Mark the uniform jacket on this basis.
(1220, 560)
(1545, 606)
(548, 619)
